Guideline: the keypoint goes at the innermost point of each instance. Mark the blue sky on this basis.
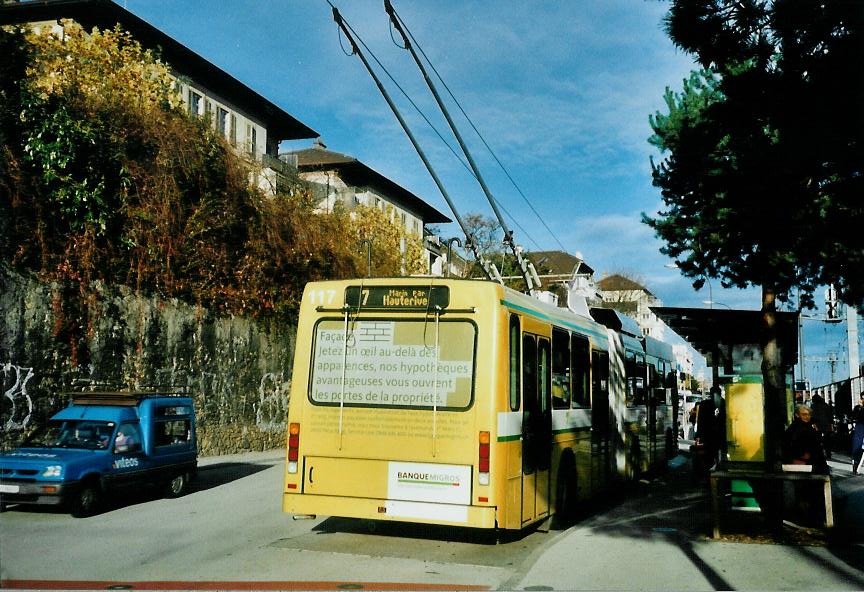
(561, 90)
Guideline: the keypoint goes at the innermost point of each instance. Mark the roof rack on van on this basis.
(119, 398)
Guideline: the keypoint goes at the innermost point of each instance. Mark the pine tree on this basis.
(763, 167)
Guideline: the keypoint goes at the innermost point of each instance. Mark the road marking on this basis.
(226, 585)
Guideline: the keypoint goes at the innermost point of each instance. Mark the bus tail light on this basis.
(483, 460)
(293, 446)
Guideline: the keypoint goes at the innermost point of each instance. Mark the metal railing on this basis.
(278, 165)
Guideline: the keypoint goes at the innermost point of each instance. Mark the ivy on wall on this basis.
(104, 176)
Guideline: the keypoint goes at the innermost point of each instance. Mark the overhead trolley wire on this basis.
(529, 274)
(404, 93)
(488, 267)
(459, 158)
(450, 147)
(477, 131)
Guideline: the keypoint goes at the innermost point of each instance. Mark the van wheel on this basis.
(86, 500)
(178, 485)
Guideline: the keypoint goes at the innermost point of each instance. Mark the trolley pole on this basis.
(488, 268)
(529, 274)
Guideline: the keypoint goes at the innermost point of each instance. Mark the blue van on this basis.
(101, 444)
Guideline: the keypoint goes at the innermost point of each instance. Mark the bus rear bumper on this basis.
(396, 510)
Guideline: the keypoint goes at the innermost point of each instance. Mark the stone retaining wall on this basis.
(58, 338)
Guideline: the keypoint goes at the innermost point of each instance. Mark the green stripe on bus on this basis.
(509, 438)
(546, 317)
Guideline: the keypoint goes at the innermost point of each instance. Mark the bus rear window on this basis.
(394, 363)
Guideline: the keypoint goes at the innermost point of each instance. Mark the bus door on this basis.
(601, 457)
(536, 427)
(651, 393)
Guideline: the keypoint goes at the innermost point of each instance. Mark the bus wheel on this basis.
(87, 500)
(565, 492)
(178, 485)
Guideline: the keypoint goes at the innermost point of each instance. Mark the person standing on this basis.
(706, 430)
(823, 419)
(857, 434)
(802, 442)
(802, 445)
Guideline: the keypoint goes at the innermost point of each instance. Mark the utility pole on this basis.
(852, 340)
(852, 346)
(801, 341)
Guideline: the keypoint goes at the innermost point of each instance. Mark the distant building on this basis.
(247, 120)
(342, 179)
(633, 299)
(562, 272)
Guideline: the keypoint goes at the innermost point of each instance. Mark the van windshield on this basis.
(394, 363)
(84, 434)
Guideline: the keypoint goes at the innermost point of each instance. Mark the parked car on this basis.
(99, 446)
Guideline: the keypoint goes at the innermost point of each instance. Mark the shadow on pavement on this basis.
(209, 476)
(411, 530)
(217, 474)
(675, 507)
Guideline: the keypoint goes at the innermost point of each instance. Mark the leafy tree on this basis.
(76, 89)
(764, 155)
(14, 58)
(388, 238)
(104, 176)
(489, 236)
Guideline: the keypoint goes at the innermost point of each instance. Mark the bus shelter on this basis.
(731, 341)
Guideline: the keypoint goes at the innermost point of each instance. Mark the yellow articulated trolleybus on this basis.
(462, 402)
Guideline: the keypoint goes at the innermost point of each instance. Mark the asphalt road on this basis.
(230, 528)
(230, 533)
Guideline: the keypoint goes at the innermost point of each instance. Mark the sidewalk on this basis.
(659, 539)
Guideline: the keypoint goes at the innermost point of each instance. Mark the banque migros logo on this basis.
(423, 478)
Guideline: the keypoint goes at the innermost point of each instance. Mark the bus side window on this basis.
(580, 363)
(515, 365)
(641, 379)
(543, 371)
(660, 388)
(653, 383)
(560, 369)
(600, 400)
(631, 372)
(600, 363)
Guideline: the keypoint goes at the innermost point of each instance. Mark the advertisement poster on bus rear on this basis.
(394, 363)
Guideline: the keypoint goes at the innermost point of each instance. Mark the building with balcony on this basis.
(248, 121)
(340, 179)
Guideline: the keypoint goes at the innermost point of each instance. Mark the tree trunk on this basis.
(773, 381)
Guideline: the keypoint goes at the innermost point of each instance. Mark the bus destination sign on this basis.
(398, 297)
